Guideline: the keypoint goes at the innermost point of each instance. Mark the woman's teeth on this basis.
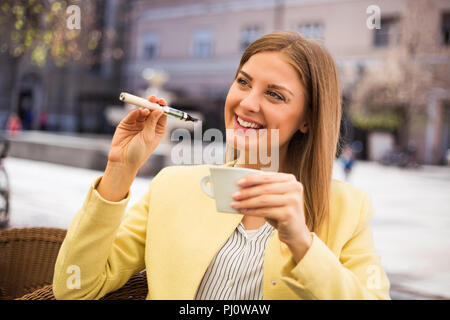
(246, 124)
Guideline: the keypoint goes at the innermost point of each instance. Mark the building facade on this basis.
(199, 44)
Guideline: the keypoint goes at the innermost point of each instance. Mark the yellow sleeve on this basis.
(103, 248)
(356, 274)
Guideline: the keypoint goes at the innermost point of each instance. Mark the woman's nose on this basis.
(251, 102)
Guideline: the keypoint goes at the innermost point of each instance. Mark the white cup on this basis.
(222, 183)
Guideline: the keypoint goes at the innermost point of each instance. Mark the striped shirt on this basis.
(236, 273)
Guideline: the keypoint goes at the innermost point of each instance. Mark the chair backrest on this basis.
(135, 289)
(27, 259)
(27, 262)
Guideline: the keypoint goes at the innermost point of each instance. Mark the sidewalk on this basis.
(410, 225)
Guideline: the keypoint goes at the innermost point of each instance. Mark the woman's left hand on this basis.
(277, 197)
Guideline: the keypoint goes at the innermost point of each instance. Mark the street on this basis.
(410, 223)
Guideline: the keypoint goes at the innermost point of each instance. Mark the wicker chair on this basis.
(27, 261)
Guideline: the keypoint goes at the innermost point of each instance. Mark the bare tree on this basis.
(390, 93)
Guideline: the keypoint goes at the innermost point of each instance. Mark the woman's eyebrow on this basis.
(270, 86)
(246, 74)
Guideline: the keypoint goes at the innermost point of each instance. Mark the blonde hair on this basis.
(310, 156)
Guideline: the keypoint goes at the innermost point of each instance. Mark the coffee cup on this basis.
(221, 183)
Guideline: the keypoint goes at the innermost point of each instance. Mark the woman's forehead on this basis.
(272, 67)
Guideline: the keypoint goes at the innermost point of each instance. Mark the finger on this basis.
(273, 213)
(162, 121)
(144, 114)
(262, 201)
(266, 177)
(162, 102)
(158, 101)
(133, 116)
(266, 188)
(152, 120)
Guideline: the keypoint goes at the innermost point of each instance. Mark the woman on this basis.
(300, 235)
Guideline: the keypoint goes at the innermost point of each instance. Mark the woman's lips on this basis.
(238, 126)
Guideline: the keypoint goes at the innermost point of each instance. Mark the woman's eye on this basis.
(272, 94)
(241, 81)
(276, 95)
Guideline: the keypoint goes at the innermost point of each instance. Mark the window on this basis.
(445, 29)
(388, 34)
(248, 35)
(203, 42)
(311, 30)
(150, 46)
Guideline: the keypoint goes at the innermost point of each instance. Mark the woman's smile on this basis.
(246, 124)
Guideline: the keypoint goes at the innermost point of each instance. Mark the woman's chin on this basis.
(242, 143)
(247, 143)
(249, 147)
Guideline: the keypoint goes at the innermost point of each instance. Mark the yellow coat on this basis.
(175, 231)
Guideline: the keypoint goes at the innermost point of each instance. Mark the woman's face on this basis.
(268, 93)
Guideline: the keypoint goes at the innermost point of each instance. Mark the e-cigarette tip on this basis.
(190, 118)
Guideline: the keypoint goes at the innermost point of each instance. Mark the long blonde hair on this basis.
(310, 156)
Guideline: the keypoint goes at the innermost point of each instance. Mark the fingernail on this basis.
(241, 181)
(236, 194)
(234, 204)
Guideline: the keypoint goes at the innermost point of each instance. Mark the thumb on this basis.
(131, 117)
(152, 120)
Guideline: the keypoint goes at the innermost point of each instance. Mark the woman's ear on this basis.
(303, 125)
(304, 128)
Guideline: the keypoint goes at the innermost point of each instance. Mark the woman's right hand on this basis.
(137, 136)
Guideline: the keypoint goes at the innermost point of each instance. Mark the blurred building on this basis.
(199, 43)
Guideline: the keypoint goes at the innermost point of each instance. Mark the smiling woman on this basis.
(298, 234)
(288, 83)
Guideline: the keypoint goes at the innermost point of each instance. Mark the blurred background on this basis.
(64, 63)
